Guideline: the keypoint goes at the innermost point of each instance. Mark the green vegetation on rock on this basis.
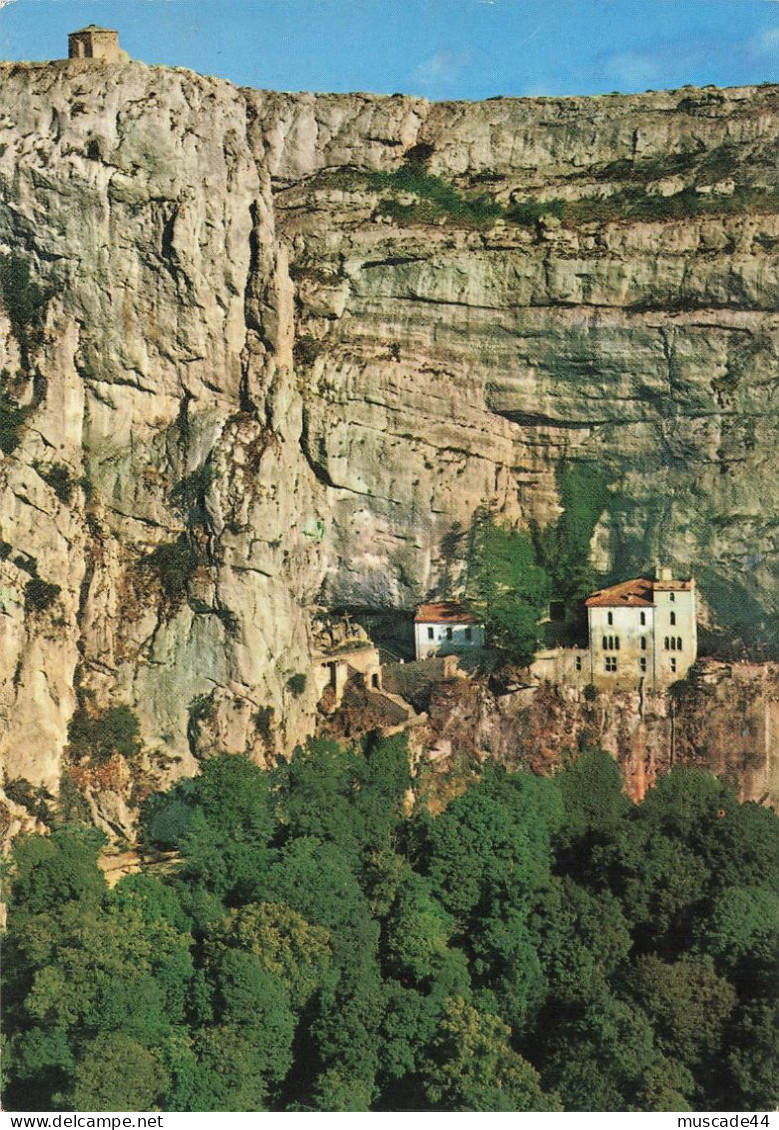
(513, 573)
(175, 564)
(39, 595)
(99, 736)
(433, 199)
(24, 301)
(412, 195)
(59, 479)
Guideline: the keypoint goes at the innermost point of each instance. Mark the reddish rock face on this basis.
(723, 721)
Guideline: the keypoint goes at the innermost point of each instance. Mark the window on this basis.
(673, 643)
(665, 645)
(673, 663)
(643, 643)
(678, 643)
(556, 610)
(611, 663)
(609, 618)
(448, 633)
(616, 643)
(578, 662)
(605, 644)
(431, 633)
(469, 633)
(642, 617)
(642, 664)
(671, 597)
(673, 617)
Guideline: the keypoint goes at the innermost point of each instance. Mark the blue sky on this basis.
(434, 48)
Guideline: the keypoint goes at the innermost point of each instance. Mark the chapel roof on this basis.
(444, 612)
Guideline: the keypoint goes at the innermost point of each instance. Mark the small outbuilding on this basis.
(445, 628)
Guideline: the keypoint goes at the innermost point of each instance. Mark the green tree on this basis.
(225, 840)
(581, 938)
(565, 546)
(249, 997)
(155, 899)
(507, 969)
(38, 1064)
(491, 844)
(320, 881)
(661, 882)
(741, 934)
(506, 587)
(409, 1020)
(115, 1072)
(688, 1004)
(598, 1058)
(665, 1085)
(595, 804)
(285, 944)
(675, 851)
(471, 1066)
(315, 793)
(230, 1073)
(381, 795)
(49, 871)
(417, 932)
(753, 1058)
(87, 958)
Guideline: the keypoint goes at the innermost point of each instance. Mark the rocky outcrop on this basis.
(272, 351)
(724, 719)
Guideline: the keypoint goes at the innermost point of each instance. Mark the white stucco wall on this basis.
(447, 639)
(663, 665)
(680, 605)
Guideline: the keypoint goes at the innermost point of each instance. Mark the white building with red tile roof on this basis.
(642, 632)
(445, 628)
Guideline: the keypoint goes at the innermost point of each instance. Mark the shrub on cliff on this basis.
(100, 736)
(24, 301)
(39, 595)
(434, 199)
(175, 564)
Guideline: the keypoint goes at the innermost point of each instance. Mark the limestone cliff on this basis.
(265, 351)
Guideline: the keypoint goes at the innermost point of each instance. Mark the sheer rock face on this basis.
(269, 394)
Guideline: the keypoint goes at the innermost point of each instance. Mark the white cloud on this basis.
(441, 67)
(768, 42)
(629, 68)
(5, 3)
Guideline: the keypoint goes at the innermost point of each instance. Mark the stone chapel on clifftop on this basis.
(95, 42)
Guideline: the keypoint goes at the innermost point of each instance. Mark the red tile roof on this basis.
(638, 593)
(444, 612)
(627, 594)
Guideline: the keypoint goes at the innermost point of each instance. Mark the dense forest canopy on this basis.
(309, 940)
